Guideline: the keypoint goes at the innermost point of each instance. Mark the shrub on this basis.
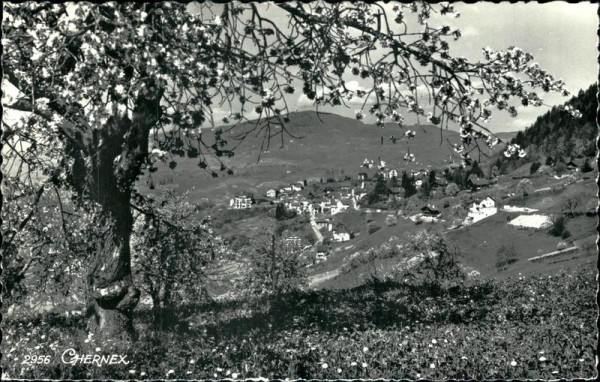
(439, 267)
(452, 189)
(506, 255)
(587, 167)
(558, 226)
(391, 220)
(373, 228)
(524, 187)
(534, 167)
(565, 234)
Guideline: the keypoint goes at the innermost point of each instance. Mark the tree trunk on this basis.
(119, 152)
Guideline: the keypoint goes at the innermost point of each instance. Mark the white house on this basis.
(271, 193)
(241, 202)
(341, 236)
(478, 211)
(293, 242)
(339, 207)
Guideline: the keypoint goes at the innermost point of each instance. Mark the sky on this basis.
(561, 36)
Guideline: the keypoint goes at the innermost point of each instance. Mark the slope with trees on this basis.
(553, 134)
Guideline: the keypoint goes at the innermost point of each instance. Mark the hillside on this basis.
(317, 145)
(556, 133)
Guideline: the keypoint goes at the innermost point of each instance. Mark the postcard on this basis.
(299, 190)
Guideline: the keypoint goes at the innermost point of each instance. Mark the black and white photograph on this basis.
(299, 190)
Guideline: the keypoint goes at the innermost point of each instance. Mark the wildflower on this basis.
(365, 349)
(86, 340)
(143, 373)
(434, 341)
(353, 363)
(188, 372)
(432, 366)
(418, 375)
(463, 357)
(219, 370)
(513, 363)
(132, 371)
(234, 375)
(98, 349)
(364, 365)
(339, 371)
(581, 359)
(324, 365)
(542, 359)
(170, 372)
(192, 361)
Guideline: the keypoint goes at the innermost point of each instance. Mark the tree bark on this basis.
(119, 152)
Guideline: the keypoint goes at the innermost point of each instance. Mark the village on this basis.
(326, 202)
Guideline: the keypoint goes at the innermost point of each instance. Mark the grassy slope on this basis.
(329, 144)
(479, 243)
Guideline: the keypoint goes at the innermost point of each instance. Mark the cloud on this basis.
(470, 31)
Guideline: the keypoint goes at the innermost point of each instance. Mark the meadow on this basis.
(519, 328)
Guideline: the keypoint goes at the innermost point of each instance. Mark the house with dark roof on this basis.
(429, 211)
(475, 183)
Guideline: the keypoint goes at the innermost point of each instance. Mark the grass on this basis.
(521, 328)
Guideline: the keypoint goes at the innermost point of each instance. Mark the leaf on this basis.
(193, 152)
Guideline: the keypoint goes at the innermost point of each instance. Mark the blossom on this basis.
(513, 363)
(324, 365)
(132, 371)
(542, 359)
(234, 375)
(365, 349)
(432, 365)
(434, 341)
(364, 365)
(170, 372)
(119, 89)
(353, 363)
(339, 371)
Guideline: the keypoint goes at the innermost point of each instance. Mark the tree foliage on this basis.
(439, 265)
(272, 268)
(561, 137)
(171, 246)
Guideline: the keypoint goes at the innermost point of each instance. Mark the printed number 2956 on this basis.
(36, 359)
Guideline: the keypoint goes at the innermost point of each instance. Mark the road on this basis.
(316, 230)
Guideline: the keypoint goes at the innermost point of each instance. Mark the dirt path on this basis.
(319, 278)
(316, 230)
